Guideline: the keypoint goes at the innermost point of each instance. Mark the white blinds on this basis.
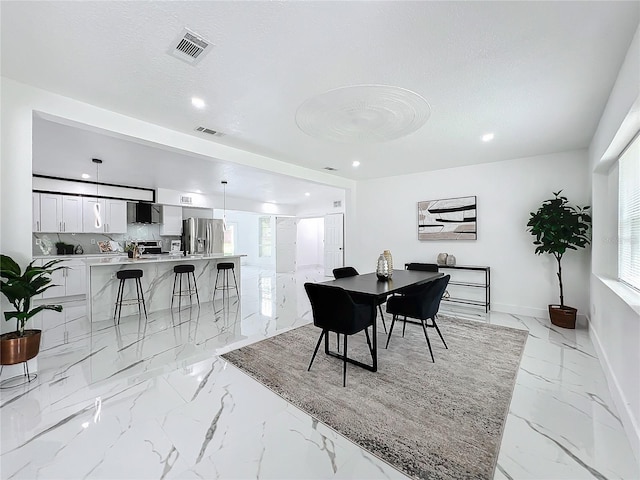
(629, 215)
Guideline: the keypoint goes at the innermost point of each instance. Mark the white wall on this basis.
(310, 242)
(507, 191)
(614, 322)
(247, 235)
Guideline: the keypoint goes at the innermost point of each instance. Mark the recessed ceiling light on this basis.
(487, 137)
(197, 102)
(307, 194)
(86, 175)
(356, 163)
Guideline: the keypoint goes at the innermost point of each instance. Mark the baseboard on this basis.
(581, 319)
(629, 424)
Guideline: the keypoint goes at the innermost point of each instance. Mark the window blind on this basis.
(629, 215)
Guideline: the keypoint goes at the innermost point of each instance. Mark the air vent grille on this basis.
(331, 169)
(337, 204)
(186, 200)
(209, 131)
(189, 47)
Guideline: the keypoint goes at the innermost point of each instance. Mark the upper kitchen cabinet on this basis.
(35, 208)
(113, 212)
(171, 220)
(56, 213)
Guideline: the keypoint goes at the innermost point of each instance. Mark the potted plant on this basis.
(20, 288)
(558, 227)
(130, 249)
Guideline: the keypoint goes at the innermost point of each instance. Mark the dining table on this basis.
(369, 286)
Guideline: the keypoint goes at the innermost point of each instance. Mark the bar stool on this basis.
(179, 270)
(225, 267)
(124, 275)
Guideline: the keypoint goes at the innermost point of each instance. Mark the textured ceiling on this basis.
(537, 74)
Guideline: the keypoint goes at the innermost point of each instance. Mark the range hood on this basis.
(143, 212)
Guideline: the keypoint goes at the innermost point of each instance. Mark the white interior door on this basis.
(286, 233)
(333, 242)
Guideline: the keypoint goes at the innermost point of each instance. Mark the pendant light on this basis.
(224, 214)
(96, 206)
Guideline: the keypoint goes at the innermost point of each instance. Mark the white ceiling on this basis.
(67, 151)
(537, 74)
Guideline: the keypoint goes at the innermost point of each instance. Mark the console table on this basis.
(481, 284)
(470, 281)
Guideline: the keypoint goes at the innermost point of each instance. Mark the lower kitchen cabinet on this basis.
(69, 281)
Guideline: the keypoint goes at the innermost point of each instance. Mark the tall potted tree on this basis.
(557, 227)
(20, 288)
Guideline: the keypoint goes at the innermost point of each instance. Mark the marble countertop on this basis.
(123, 260)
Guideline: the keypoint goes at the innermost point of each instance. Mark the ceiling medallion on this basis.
(363, 114)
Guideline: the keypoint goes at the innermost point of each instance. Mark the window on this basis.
(629, 215)
(264, 242)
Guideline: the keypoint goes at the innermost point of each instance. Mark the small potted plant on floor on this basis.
(20, 288)
(558, 227)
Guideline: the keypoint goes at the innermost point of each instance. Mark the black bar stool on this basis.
(123, 275)
(178, 271)
(225, 267)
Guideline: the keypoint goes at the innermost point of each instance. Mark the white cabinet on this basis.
(56, 213)
(113, 213)
(69, 281)
(35, 209)
(171, 220)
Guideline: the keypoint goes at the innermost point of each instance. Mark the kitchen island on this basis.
(157, 281)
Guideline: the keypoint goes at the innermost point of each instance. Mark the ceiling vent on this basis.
(209, 131)
(189, 47)
(331, 169)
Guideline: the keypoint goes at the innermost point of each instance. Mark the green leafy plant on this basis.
(558, 227)
(20, 288)
(129, 247)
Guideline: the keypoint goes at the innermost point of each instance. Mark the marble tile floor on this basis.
(154, 400)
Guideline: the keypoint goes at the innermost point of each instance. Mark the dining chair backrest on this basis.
(334, 310)
(423, 267)
(344, 272)
(422, 302)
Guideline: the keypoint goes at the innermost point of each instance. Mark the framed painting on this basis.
(447, 219)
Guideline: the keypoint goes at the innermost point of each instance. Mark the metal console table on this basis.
(486, 285)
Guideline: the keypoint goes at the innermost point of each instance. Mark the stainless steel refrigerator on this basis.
(202, 236)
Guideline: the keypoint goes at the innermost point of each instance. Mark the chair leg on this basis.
(404, 326)
(382, 317)
(438, 330)
(393, 321)
(424, 327)
(173, 290)
(366, 332)
(180, 293)
(338, 340)
(195, 285)
(144, 305)
(215, 287)
(235, 282)
(118, 295)
(344, 368)
(316, 350)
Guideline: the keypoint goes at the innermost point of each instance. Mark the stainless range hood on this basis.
(143, 212)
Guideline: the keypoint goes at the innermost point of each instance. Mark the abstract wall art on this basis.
(447, 219)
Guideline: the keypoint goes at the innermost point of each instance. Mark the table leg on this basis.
(375, 335)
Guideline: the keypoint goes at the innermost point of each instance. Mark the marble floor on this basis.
(155, 400)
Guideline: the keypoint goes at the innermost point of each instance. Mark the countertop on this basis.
(124, 260)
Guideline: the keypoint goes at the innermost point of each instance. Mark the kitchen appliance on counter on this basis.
(150, 247)
(202, 236)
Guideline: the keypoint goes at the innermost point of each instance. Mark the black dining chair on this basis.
(422, 267)
(344, 272)
(335, 311)
(422, 304)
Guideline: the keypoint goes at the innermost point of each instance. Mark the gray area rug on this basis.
(436, 421)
